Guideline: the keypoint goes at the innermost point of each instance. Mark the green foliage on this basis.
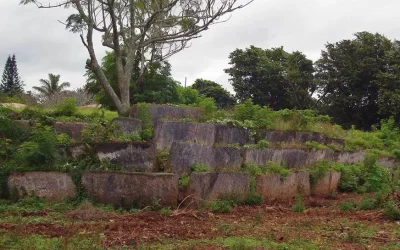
(272, 77)
(66, 108)
(347, 206)
(200, 167)
(100, 132)
(11, 83)
(143, 114)
(319, 169)
(315, 145)
(184, 181)
(368, 203)
(222, 97)
(298, 206)
(165, 211)
(350, 179)
(221, 206)
(162, 160)
(207, 105)
(269, 168)
(392, 211)
(262, 144)
(253, 199)
(245, 110)
(133, 137)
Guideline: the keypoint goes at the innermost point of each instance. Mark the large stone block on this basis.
(139, 156)
(48, 185)
(167, 132)
(212, 186)
(73, 129)
(183, 155)
(291, 158)
(349, 157)
(128, 189)
(328, 183)
(275, 188)
(128, 125)
(164, 111)
(299, 137)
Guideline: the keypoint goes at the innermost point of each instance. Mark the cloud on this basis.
(43, 46)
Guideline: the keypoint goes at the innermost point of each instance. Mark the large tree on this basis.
(141, 31)
(272, 77)
(157, 84)
(222, 97)
(359, 80)
(51, 86)
(11, 83)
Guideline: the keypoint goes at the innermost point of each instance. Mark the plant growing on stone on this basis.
(184, 180)
(143, 114)
(298, 206)
(221, 206)
(277, 168)
(200, 167)
(209, 108)
(315, 145)
(162, 160)
(100, 132)
(262, 144)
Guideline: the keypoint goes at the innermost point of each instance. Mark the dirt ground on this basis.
(322, 226)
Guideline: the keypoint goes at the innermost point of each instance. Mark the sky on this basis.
(42, 45)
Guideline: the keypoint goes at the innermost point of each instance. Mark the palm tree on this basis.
(51, 86)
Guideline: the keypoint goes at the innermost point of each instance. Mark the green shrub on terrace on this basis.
(319, 169)
(67, 107)
(392, 211)
(262, 144)
(143, 114)
(253, 198)
(269, 168)
(200, 167)
(184, 181)
(100, 132)
(347, 206)
(162, 160)
(315, 145)
(221, 206)
(298, 206)
(350, 179)
(245, 110)
(209, 108)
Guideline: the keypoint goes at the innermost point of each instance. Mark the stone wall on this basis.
(184, 155)
(327, 184)
(163, 111)
(274, 187)
(131, 189)
(299, 137)
(212, 186)
(128, 125)
(139, 156)
(291, 158)
(48, 185)
(167, 132)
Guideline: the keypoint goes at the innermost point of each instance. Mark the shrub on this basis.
(143, 114)
(392, 211)
(133, 137)
(184, 181)
(277, 168)
(221, 206)
(253, 199)
(263, 117)
(368, 203)
(67, 107)
(318, 170)
(165, 211)
(298, 206)
(245, 111)
(200, 167)
(347, 206)
(350, 178)
(209, 108)
(315, 145)
(100, 132)
(262, 144)
(162, 160)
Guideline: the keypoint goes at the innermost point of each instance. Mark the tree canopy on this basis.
(272, 77)
(11, 83)
(222, 97)
(51, 86)
(359, 80)
(139, 32)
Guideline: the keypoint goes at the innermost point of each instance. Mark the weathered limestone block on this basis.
(326, 184)
(73, 129)
(128, 125)
(350, 156)
(167, 132)
(212, 186)
(48, 185)
(300, 137)
(183, 155)
(133, 155)
(275, 188)
(291, 158)
(164, 111)
(128, 189)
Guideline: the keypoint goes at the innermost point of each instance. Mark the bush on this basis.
(209, 108)
(162, 160)
(184, 181)
(347, 206)
(200, 167)
(277, 168)
(315, 145)
(254, 199)
(351, 178)
(143, 114)
(245, 111)
(221, 206)
(67, 107)
(100, 132)
(368, 203)
(262, 144)
(298, 206)
(392, 211)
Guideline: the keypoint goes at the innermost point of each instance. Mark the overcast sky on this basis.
(42, 45)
